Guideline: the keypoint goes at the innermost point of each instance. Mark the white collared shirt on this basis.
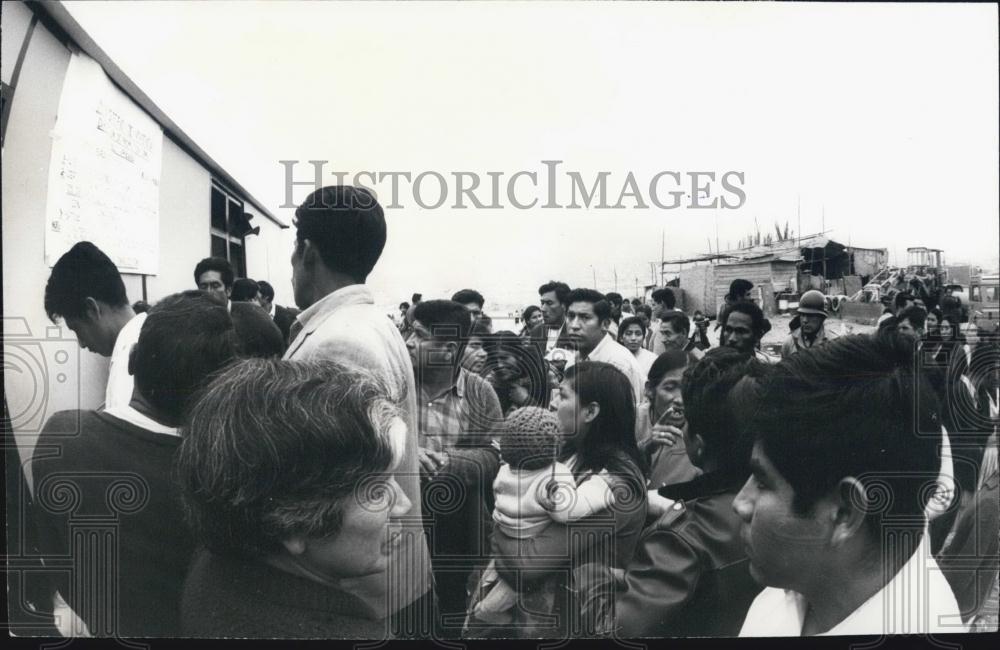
(918, 600)
(611, 351)
(118, 392)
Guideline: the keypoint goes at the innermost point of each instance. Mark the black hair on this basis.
(711, 413)
(665, 297)
(244, 290)
(738, 287)
(446, 320)
(266, 290)
(750, 308)
(417, 297)
(602, 308)
(466, 296)
(82, 272)
(347, 226)
(529, 364)
(186, 337)
(609, 442)
(817, 425)
(901, 299)
(140, 306)
(628, 322)
(916, 315)
(528, 312)
(404, 305)
(667, 361)
(645, 309)
(561, 289)
(218, 264)
(614, 298)
(678, 320)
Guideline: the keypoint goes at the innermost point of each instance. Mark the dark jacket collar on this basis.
(703, 486)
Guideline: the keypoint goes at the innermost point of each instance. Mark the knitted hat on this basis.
(530, 438)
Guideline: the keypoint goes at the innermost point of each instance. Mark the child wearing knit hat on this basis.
(532, 489)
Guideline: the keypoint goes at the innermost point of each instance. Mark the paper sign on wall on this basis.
(104, 175)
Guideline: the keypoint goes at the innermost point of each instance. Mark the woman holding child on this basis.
(571, 489)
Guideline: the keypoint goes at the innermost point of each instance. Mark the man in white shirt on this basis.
(845, 457)
(588, 313)
(340, 234)
(87, 292)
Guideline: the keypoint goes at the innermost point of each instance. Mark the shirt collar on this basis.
(353, 294)
(600, 346)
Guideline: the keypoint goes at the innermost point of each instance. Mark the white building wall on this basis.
(44, 369)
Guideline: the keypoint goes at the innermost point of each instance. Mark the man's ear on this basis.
(310, 255)
(295, 545)
(91, 309)
(591, 411)
(650, 391)
(851, 506)
(451, 347)
(131, 360)
(697, 446)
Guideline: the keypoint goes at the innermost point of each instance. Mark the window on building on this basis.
(229, 228)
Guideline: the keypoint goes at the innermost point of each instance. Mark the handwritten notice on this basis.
(104, 175)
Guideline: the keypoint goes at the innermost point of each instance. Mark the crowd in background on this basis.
(327, 472)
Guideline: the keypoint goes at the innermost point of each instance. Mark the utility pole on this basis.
(594, 271)
(637, 286)
(615, 269)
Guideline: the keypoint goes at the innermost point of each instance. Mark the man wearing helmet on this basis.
(810, 333)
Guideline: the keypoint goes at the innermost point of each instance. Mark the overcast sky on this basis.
(882, 117)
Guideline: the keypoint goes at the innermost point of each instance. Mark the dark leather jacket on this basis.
(689, 575)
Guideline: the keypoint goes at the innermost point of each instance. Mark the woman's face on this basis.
(573, 420)
(665, 400)
(632, 338)
(474, 357)
(945, 329)
(366, 537)
(931, 323)
(507, 365)
(536, 318)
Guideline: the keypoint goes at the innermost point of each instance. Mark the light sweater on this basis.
(519, 495)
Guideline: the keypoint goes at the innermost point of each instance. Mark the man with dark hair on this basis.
(675, 327)
(663, 301)
(743, 326)
(900, 301)
(550, 336)
(692, 558)
(245, 290)
(587, 315)
(552, 332)
(739, 291)
(810, 333)
(833, 515)
(910, 322)
(215, 275)
(340, 234)
(120, 466)
(283, 316)
(458, 412)
(259, 335)
(87, 292)
(616, 312)
(471, 300)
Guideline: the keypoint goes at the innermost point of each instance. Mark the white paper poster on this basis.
(104, 176)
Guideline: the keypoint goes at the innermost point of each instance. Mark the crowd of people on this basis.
(605, 471)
